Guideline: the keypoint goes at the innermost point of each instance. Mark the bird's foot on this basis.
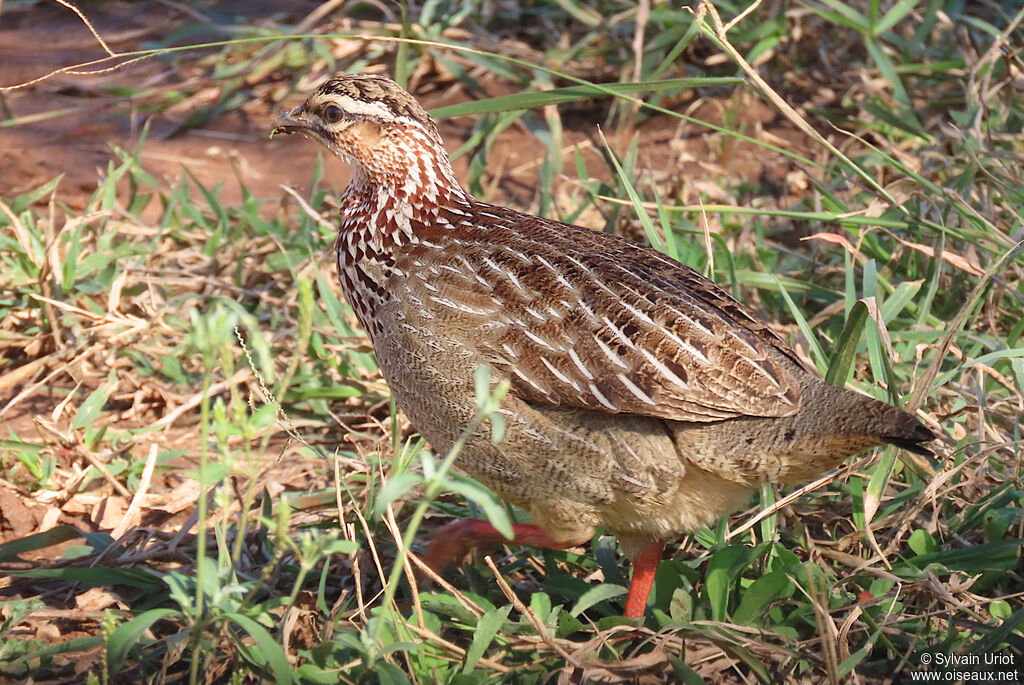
(644, 567)
(451, 542)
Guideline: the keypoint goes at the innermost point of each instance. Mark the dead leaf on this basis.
(19, 515)
(184, 496)
(109, 511)
(951, 258)
(833, 238)
(653, 668)
(98, 599)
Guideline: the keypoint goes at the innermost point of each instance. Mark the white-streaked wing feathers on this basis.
(667, 343)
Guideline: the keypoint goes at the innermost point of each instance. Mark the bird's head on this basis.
(373, 125)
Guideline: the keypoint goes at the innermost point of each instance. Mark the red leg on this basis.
(644, 567)
(451, 542)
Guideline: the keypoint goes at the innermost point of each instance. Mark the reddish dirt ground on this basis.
(78, 144)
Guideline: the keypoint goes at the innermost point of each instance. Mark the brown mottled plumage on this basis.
(644, 398)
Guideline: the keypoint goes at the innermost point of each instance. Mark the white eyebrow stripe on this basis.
(370, 109)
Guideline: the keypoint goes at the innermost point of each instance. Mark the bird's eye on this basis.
(333, 114)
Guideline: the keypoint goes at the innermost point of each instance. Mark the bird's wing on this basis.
(581, 319)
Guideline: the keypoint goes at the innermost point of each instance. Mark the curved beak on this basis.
(294, 121)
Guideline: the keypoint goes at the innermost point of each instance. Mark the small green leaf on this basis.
(922, 542)
(898, 11)
(1000, 609)
(124, 637)
(998, 635)
(879, 480)
(94, 403)
(482, 385)
(99, 576)
(396, 486)
(638, 206)
(18, 611)
(761, 593)
(389, 674)
(78, 644)
(341, 547)
(484, 499)
(812, 341)
(849, 663)
(9, 551)
(595, 595)
(991, 556)
(721, 569)
(684, 674)
(540, 602)
(486, 628)
(268, 651)
(446, 605)
(681, 606)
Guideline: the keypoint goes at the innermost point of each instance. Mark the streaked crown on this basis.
(374, 98)
(357, 107)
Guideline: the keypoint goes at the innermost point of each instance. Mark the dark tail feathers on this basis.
(912, 439)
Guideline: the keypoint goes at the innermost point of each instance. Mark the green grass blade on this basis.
(841, 364)
(638, 205)
(557, 96)
(126, 635)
